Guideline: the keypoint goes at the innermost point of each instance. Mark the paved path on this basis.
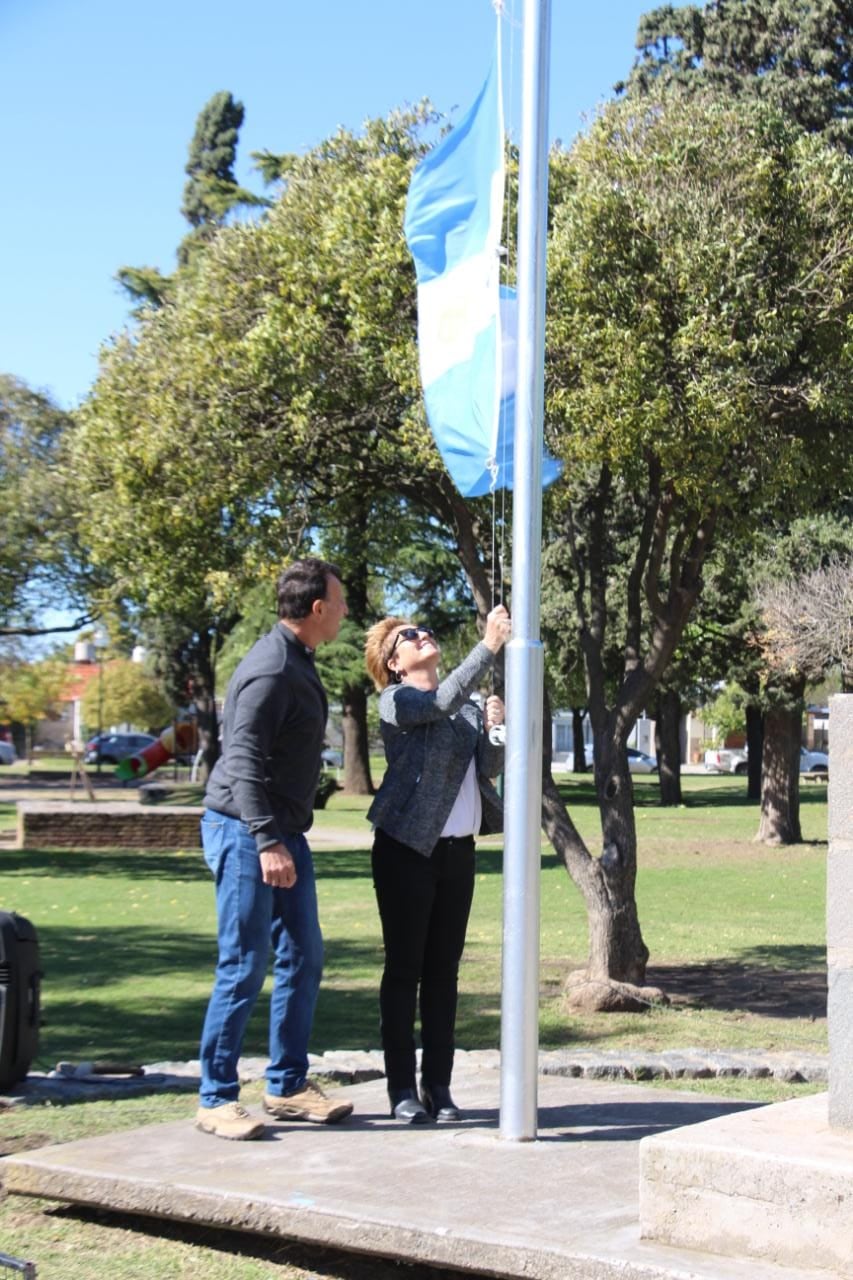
(565, 1207)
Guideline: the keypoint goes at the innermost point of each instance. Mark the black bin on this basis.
(20, 997)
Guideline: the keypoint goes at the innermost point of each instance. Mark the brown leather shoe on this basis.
(308, 1103)
(231, 1120)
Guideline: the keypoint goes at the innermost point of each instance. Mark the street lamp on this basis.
(100, 640)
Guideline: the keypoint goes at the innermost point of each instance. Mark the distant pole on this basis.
(101, 640)
(524, 657)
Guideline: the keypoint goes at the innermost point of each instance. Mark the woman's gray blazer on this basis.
(430, 736)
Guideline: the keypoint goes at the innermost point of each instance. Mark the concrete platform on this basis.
(774, 1183)
(562, 1208)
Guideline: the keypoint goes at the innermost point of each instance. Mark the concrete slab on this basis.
(562, 1208)
(774, 1184)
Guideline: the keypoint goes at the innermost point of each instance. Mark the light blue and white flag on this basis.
(466, 320)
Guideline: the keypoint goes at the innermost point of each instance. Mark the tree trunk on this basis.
(614, 977)
(578, 746)
(780, 772)
(204, 697)
(668, 746)
(755, 750)
(357, 780)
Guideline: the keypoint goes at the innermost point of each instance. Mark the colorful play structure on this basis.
(177, 738)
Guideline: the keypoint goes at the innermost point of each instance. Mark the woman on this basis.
(435, 797)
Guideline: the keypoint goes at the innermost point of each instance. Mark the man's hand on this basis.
(277, 867)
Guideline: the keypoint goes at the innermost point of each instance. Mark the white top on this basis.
(466, 815)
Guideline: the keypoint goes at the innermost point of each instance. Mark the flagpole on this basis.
(524, 655)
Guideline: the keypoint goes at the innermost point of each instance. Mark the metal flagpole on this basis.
(524, 657)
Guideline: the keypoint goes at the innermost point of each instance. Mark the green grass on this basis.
(128, 945)
(128, 936)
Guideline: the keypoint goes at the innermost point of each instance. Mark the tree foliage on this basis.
(211, 193)
(697, 378)
(796, 55)
(212, 190)
(30, 691)
(807, 622)
(41, 561)
(126, 694)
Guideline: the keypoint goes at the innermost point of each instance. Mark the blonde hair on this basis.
(377, 650)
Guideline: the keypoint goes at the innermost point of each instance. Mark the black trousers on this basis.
(424, 904)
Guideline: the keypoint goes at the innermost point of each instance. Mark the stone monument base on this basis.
(774, 1184)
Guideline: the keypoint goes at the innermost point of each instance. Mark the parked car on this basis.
(813, 761)
(332, 758)
(570, 758)
(735, 760)
(117, 746)
(726, 760)
(640, 762)
(8, 754)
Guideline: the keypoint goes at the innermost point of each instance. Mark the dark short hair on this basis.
(301, 584)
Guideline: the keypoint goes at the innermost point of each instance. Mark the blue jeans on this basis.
(252, 917)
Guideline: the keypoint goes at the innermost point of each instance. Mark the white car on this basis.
(735, 760)
(813, 761)
(638, 761)
(726, 760)
(8, 755)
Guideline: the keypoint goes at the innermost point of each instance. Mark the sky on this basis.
(100, 100)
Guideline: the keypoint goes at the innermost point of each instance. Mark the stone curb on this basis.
(356, 1067)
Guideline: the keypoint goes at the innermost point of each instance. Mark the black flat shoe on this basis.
(439, 1104)
(406, 1107)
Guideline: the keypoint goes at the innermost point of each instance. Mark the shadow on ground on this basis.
(774, 982)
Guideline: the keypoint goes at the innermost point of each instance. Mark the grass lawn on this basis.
(735, 931)
(128, 937)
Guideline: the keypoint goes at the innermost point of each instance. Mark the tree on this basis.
(795, 54)
(806, 630)
(808, 621)
(294, 377)
(41, 562)
(698, 375)
(128, 695)
(211, 193)
(31, 691)
(726, 714)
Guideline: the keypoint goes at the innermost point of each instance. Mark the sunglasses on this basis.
(409, 633)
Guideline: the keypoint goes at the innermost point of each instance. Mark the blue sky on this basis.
(100, 99)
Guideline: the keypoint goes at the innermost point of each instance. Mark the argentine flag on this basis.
(466, 319)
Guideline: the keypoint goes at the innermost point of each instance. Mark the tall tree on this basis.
(212, 190)
(126, 694)
(30, 691)
(806, 631)
(698, 376)
(211, 193)
(42, 564)
(795, 54)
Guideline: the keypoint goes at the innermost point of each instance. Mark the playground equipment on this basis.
(177, 738)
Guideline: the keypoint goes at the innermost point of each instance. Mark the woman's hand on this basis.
(493, 712)
(498, 628)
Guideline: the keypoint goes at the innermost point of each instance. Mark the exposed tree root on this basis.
(586, 994)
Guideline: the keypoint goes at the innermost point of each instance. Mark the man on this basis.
(259, 803)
